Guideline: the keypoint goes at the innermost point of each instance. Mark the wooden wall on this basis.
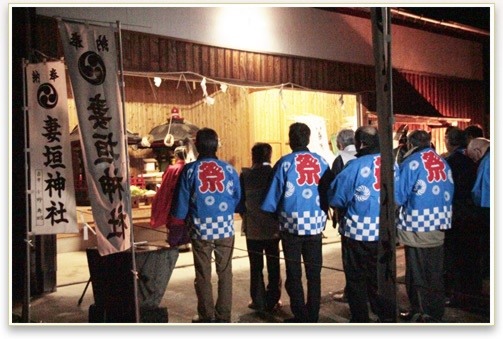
(269, 121)
(147, 107)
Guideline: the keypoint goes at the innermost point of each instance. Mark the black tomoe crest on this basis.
(92, 68)
(47, 96)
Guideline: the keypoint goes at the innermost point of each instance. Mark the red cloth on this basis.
(161, 204)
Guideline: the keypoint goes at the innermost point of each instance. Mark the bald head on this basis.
(477, 148)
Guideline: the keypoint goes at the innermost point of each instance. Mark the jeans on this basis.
(305, 248)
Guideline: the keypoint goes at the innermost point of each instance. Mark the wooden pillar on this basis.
(386, 266)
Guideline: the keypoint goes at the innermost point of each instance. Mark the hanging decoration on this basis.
(283, 105)
(209, 100)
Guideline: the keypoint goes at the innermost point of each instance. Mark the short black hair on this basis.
(475, 131)
(420, 138)
(299, 135)
(206, 141)
(261, 152)
(366, 135)
(457, 137)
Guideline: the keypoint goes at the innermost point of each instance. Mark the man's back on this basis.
(294, 193)
(211, 188)
(425, 192)
(357, 188)
(255, 183)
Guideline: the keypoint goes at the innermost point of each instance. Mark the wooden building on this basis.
(249, 111)
(318, 59)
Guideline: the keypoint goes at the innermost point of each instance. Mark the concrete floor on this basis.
(62, 306)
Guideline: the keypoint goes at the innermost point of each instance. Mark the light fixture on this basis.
(157, 81)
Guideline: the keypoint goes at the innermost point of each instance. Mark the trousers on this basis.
(296, 249)
(202, 250)
(359, 259)
(424, 279)
(264, 298)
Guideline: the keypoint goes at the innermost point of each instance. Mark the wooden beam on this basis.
(386, 257)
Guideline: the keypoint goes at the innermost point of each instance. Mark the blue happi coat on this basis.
(208, 191)
(425, 192)
(357, 188)
(293, 194)
(481, 192)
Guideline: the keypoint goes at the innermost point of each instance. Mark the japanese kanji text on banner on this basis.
(91, 57)
(51, 177)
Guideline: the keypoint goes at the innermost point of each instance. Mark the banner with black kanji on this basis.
(52, 193)
(91, 58)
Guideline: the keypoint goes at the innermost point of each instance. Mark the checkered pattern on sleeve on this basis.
(362, 228)
(303, 223)
(426, 220)
(213, 228)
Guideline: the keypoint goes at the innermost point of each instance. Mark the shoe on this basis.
(425, 318)
(292, 320)
(254, 306)
(184, 248)
(221, 321)
(340, 297)
(450, 302)
(406, 315)
(196, 320)
(275, 307)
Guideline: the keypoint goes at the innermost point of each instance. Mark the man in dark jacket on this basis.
(261, 229)
(462, 254)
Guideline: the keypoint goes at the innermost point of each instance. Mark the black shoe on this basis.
(254, 306)
(274, 307)
(293, 320)
(197, 320)
(450, 302)
(406, 315)
(221, 321)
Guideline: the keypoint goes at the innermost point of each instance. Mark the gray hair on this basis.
(346, 137)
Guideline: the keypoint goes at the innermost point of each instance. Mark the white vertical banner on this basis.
(91, 57)
(52, 195)
(318, 142)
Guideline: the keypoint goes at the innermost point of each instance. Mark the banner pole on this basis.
(128, 196)
(27, 282)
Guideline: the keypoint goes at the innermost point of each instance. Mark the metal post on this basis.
(26, 316)
(386, 265)
(128, 196)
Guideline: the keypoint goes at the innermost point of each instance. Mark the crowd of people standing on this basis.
(442, 220)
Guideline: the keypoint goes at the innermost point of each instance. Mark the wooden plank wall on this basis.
(453, 98)
(147, 107)
(270, 121)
